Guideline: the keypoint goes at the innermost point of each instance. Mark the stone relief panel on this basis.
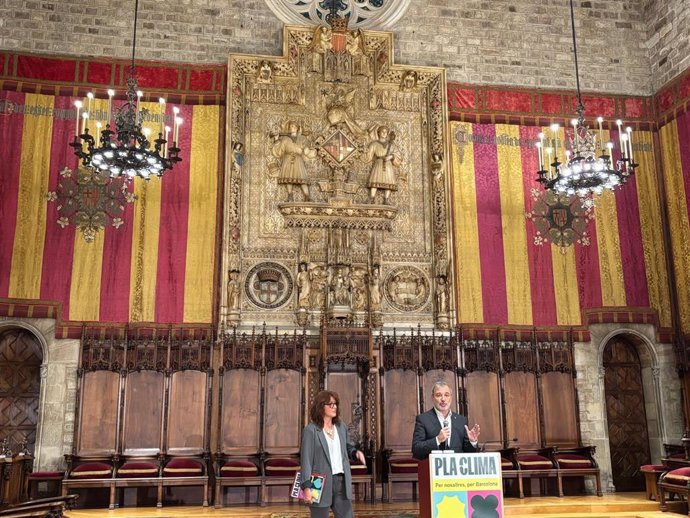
(337, 171)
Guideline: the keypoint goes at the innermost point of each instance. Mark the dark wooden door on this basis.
(20, 384)
(625, 410)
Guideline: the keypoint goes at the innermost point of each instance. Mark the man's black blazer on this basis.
(427, 427)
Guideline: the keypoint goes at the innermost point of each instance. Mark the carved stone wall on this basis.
(336, 185)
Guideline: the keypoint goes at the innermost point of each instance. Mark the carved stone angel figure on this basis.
(382, 175)
(339, 104)
(292, 148)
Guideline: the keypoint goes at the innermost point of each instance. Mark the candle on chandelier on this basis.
(89, 96)
(600, 121)
(541, 151)
(609, 146)
(165, 150)
(619, 123)
(161, 103)
(628, 130)
(78, 104)
(84, 123)
(549, 150)
(176, 111)
(573, 122)
(111, 93)
(554, 131)
(176, 131)
(140, 94)
(624, 146)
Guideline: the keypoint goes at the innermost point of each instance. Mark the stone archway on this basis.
(21, 357)
(625, 410)
(660, 383)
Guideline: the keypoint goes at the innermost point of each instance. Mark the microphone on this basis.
(444, 445)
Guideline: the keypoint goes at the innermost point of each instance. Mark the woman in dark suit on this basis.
(325, 450)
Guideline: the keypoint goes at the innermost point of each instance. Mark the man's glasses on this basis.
(332, 405)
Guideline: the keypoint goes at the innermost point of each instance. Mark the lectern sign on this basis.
(465, 485)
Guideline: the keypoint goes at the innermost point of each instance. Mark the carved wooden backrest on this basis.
(284, 389)
(282, 430)
(189, 398)
(98, 416)
(239, 391)
(98, 394)
(143, 413)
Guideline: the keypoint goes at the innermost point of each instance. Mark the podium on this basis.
(457, 484)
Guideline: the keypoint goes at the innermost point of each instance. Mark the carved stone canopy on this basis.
(338, 176)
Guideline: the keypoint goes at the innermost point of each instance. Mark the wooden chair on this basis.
(88, 472)
(538, 464)
(140, 471)
(577, 462)
(283, 415)
(400, 467)
(674, 482)
(237, 462)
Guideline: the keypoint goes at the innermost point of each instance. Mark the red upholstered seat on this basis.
(506, 464)
(358, 469)
(281, 467)
(183, 468)
(91, 470)
(239, 468)
(137, 470)
(654, 468)
(403, 465)
(679, 477)
(528, 462)
(572, 461)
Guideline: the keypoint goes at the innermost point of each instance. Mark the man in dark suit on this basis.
(441, 429)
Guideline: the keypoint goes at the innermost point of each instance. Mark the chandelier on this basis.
(589, 167)
(126, 150)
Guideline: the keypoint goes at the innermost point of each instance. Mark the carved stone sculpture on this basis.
(382, 175)
(233, 290)
(304, 286)
(292, 149)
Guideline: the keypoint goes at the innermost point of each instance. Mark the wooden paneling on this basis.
(98, 417)
(484, 407)
(240, 420)
(348, 385)
(521, 408)
(560, 418)
(186, 413)
(283, 426)
(143, 413)
(400, 408)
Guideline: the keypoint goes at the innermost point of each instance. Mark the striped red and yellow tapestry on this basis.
(507, 276)
(157, 267)
(675, 144)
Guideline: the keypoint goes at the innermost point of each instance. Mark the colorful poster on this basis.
(466, 485)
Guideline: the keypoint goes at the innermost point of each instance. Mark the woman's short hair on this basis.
(320, 401)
